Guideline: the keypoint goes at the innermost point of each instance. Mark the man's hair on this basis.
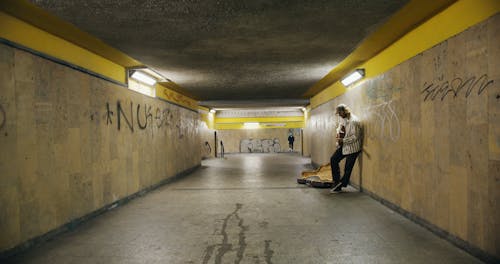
(343, 107)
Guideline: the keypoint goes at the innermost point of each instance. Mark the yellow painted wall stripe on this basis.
(20, 32)
(36, 16)
(265, 122)
(399, 24)
(26, 35)
(277, 119)
(455, 19)
(236, 126)
(175, 97)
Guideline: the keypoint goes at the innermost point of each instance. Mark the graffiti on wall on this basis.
(132, 117)
(3, 117)
(383, 93)
(382, 121)
(260, 145)
(207, 149)
(455, 87)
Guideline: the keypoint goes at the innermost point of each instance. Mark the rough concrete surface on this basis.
(231, 49)
(247, 208)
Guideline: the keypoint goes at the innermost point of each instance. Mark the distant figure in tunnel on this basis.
(291, 139)
(349, 144)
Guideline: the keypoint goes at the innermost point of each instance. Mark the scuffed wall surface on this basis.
(72, 143)
(432, 135)
(232, 138)
(307, 136)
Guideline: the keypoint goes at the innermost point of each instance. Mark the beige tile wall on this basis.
(64, 155)
(429, 149)
(232, 138)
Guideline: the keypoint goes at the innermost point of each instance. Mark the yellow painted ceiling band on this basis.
(402, 22)
(277, 119)
(34, 15)
(236, 126)
(175, 97)
(24, 34)
(455, 19)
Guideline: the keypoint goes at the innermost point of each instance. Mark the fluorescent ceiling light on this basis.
(356, 75)
(154, 74)
(143, 78)
(212, 111)
(251, 125)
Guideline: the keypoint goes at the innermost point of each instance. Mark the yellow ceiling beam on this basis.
(274, 119)
(403, 21)
(456, 18)
(33, 38)
(172, 96)
(232, 126)
(34, 15)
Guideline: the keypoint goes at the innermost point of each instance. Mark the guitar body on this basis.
(341, 134)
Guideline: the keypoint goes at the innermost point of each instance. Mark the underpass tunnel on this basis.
(106, 157)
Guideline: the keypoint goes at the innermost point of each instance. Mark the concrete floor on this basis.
(248, 209)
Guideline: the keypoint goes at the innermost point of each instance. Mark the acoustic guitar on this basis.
(341, 134)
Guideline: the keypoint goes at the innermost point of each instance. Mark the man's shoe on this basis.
(336, 190)
(337, 187)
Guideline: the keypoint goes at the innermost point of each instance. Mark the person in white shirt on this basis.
(349, 145)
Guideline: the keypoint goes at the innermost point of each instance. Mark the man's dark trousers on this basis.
(349, 164)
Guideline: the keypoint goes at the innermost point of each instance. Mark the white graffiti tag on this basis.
(382, 122)
(260, 145)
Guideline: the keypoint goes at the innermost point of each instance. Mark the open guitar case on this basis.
(315, 181)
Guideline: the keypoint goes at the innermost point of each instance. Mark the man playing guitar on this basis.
(349, 142)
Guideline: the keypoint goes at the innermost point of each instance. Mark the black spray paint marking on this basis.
(179, 131)
(109, 114)
(147, 116)
(162, 117)
(208, 148)
(143, 118)
(457, 85)
(159, 119)
(120, 111)
(3, 117)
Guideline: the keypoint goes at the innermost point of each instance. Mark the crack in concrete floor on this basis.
(226, 246)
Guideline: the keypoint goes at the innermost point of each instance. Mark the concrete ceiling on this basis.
(222, 51)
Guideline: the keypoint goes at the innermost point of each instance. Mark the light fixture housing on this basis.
(354, 76)
(144, 78)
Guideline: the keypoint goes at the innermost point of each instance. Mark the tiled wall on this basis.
(232, 139)
(432, 135)
(71, 143)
